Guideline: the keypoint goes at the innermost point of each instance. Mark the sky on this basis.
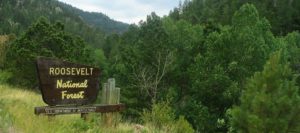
(128, 11)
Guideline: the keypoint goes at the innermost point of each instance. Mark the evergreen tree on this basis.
(270, 102)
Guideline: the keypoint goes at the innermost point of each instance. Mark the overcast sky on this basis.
(129, 11)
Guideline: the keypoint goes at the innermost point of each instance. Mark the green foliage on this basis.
(230, 56)
(199, 116)
(209, 57)
(291, 51)
(102, 22)
(143, 62)
(111, 46)
(283, 15)
(5, 76)
(43, 39)
(270, 102)
(162, 116)
(183, 126)
(154, 64)
(101, 62)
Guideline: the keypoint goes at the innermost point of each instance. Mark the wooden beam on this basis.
(60, 110)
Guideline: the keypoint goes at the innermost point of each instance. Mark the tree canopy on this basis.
(43, 39)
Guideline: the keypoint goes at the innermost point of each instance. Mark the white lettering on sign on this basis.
(70, 84)
(66, 95)
(70, 71)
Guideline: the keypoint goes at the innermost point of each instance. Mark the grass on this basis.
(17, 116)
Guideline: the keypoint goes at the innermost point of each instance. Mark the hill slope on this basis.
(18, 15)
(98, 20)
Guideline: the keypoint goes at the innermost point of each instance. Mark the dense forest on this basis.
(224, 66)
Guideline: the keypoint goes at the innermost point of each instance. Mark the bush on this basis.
(183, 126)
(4, 76)
(162, 117)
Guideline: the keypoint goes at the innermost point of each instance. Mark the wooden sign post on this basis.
(70, 88)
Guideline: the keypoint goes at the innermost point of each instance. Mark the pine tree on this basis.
(270, 102)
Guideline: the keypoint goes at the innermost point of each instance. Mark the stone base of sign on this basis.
(83, 110)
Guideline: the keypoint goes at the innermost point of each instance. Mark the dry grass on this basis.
(3, 39)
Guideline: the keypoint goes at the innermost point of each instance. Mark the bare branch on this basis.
(148, 78)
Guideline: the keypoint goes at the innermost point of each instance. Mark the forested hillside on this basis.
(201, 57)
(17, 15)
(283, 15)
(103, 22)
(223, 66)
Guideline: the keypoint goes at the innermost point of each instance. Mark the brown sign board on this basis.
(66, 83)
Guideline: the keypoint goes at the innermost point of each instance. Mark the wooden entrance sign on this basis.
(65, 83)
(69, 88)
